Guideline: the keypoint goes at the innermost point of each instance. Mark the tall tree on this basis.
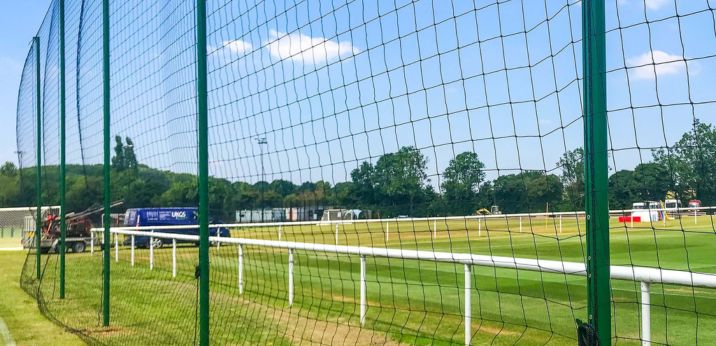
(118, 161)
(401, 177)
(462, 179)
(572, 164)
(692, 163)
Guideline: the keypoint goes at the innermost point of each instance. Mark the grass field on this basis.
(19, 311)
(411, 302)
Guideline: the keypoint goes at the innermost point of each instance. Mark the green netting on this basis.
(361, 153)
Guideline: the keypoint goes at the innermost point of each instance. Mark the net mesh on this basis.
(425, 131)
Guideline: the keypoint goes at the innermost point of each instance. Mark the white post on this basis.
(336, 234)
(290, 277)
(468, 305)
(631, 220)
(362, 291)
(279, 232)
(116, 248)
(151, 253)
(435, 229)
(131, 251)
(218, 235)
(91, 242)
(695, 219)
(241, 269)
(174, 258)
(520, 224)
(387, 230)
(479, 227)
(560, 224)
(645, 314)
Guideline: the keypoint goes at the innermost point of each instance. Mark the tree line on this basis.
(396, 184)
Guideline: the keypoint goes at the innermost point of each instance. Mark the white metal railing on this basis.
(644, 275)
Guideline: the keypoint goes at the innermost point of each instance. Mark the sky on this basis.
(19, 21)
(333, 84)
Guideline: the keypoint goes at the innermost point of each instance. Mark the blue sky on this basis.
(19, 21)
(332, 84)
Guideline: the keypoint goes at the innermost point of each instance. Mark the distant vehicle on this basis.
(647, 211)
(672, 204)
(166, 217)
(402, 217)
(694, 203)
(495, 210)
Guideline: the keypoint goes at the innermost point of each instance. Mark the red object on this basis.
(630, 219)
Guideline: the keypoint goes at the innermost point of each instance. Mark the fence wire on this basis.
(374, 124)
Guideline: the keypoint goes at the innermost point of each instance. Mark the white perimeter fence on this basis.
(646, 276)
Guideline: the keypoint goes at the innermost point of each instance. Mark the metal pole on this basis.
(106, 113)
(290, 277)
(203, 129)
(151, 253)
(596, 168)
(435, 229)
(468, 305)
(38, 168)
(336, 234)
(116, 247)
(241, 269)
(645, 314)
(362, 291)
(92, 242)
(174, 258)
(131, 251)
(63, 224)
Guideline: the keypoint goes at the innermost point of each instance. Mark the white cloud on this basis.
(650, 4)
(656, 63)
(238, 46)
(307, 49)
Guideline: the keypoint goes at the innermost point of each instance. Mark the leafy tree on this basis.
(620, 192)
(118, 161)
(572, 163)
(130, 160)
(692, 163)
(528, 191)
(8, 169)
(400, 177)
(463, 177)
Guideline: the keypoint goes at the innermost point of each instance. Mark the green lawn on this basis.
(19, 311)
(411, 302)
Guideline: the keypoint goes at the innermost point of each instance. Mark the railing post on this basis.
(336, 234)
(387, 230)
(174, 258)
(63, 224)
(116, 247)
(38, 168)
(279, 232)
(241, 269)
(596, 168)
(218, 238)
(151, 253)
(203, 144)
(645, 314)
(107, 162)
(91, 242)
(520, 224)
(362, 291)
(479, 227)
(131, 251)
(435, 229)
(560, 224)
(290, 277)
(468, 304)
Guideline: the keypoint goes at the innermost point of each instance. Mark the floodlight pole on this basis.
(63, 223)
(106, 115)
(203, 129)
(595, 169)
